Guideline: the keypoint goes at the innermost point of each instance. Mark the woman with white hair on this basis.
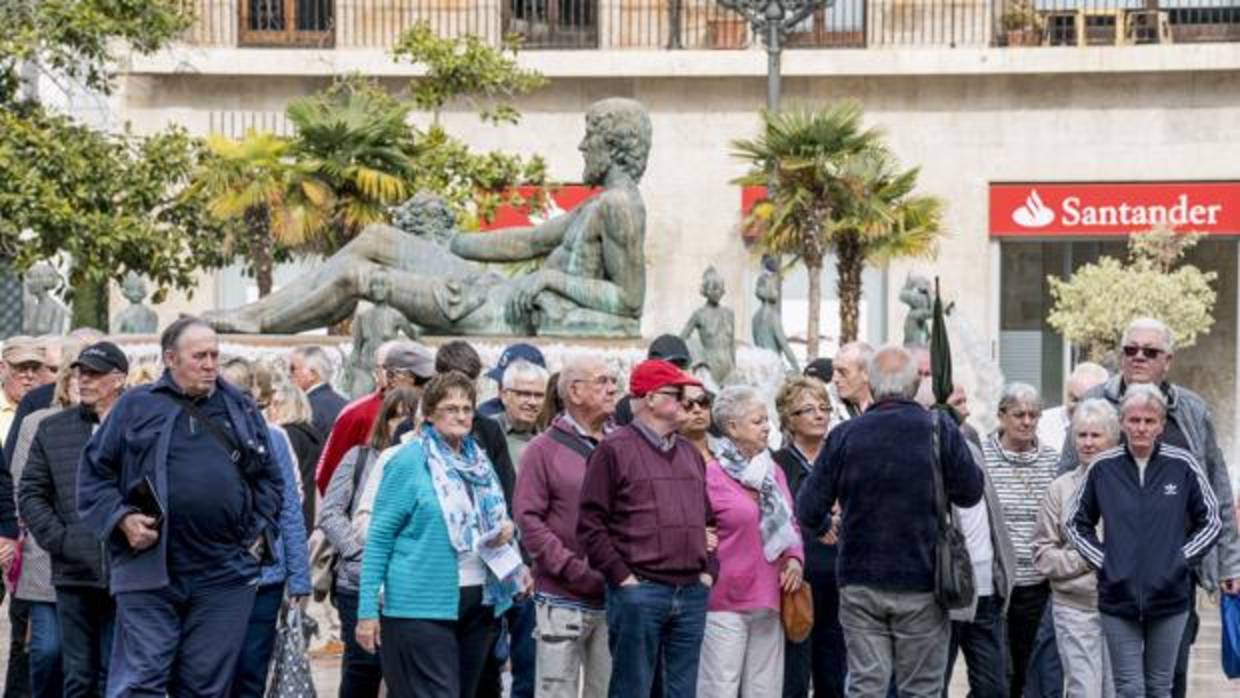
(1161, 519)
(760, 554)
(1074, 586)
(1021, 468)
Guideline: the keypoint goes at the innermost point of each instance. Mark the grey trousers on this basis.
(1143, 654)
(891, 632)
(1083, 652)
(573, 660)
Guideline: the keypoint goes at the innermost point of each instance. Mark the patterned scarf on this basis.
(471, 500)
(758, 473)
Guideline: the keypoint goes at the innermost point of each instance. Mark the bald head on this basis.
(1084, 378)
(893, 374)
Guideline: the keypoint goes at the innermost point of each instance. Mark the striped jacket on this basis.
(1156, 528)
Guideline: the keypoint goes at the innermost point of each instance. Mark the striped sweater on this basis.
(1021, 481)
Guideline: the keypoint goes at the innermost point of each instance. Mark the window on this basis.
(553, 23)
(307, 23)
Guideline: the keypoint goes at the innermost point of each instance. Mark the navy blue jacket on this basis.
(132, 443)
(1154, 531)
(325, 405)
(878, 466)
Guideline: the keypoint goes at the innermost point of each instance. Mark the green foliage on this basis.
(466, 68)
(1092, 308)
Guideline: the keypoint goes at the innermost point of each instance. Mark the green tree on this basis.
(834, 188)
(1093, 306)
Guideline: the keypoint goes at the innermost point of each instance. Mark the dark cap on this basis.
(516, 352)
(102, 357)
(411, 357)
(820, 369)
(670, 347)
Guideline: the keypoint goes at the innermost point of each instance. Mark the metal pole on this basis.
(773, 51)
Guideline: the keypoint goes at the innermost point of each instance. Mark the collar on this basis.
(87, 414)
(1118, 387)
(891, 403)
(661, 443)
(168, 385)
(315, 387)
(6, 405)
(1015, 457)
(581, 431)
(508, 426)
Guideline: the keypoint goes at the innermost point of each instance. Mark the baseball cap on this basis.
(516, 352)
(22, 349)
(411, 357)
(102, 357)
(820, 369)
(655, 374)
(670, 347)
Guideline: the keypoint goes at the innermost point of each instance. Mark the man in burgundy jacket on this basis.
(642, 523)
(572, 623)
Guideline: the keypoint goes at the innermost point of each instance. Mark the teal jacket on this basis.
(408, 553)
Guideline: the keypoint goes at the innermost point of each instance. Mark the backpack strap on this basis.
(578, 446)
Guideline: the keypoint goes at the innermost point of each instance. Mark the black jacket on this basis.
(48, 500)
(325, 404)
(39, 398)
(307, 443)
(819, 557)
(1154, 530)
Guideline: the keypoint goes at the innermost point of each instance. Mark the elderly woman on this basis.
(1074, 586)
(440, 546)
(760, 554)
(804, 408)
(1161, 518)
(1021, 469)
(290, 409)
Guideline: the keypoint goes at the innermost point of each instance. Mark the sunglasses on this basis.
(702, 401)
(1147, 352)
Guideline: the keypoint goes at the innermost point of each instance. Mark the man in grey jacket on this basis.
(1148, 347)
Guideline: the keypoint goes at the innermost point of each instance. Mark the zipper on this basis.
(1141, 515)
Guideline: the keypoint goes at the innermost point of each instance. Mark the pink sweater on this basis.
(746, 580)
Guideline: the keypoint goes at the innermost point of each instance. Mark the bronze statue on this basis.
(768, 326)
(916, 295)
(716, 328)
(137, 318)
(592, 280)
(370, 329)
(46, 314)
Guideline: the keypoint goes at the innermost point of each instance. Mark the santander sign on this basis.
(1113, 209)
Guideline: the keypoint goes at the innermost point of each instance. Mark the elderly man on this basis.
(1053, 427)
(48, 506)
(1147, 350)
(181, 485)
(571, 611)
(850, 385)
(311, 370)
(401, 363)
(524, 390)
(878, 466)
(643, 520)
(512, 353)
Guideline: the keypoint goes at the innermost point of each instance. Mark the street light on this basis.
(772, 20)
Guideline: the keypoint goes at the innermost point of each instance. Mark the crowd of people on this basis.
(590, 539)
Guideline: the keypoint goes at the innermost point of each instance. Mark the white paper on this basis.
(503, 561)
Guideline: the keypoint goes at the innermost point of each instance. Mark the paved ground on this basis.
(1206, 680)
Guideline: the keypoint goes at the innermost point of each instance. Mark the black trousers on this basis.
(17, 676)
(86, 620)
(822, 657)
(438, 658)
(1023, 618)
(1179, 688)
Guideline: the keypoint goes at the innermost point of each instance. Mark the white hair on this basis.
(524, 370)
(576, 368)
(1089, 371)
(1143, 396)
(1096, 412)
(317, 361)
(733, 404)
(860, 352)
(1019, 394)
(1152, 325)
(893, 373)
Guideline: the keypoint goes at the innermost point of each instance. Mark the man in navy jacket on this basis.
(181, 484)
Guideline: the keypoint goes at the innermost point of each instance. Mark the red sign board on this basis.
(563, 198)
(1113, 208)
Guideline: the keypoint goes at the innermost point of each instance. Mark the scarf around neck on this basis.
(779, 533)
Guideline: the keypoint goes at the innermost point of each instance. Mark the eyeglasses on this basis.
(456, 410)
(1131, 352)
(702, 401)
(526, 394)
(30, 368)
(812, 409)
(1024, 414)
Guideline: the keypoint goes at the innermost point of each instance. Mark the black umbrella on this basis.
(941, 357)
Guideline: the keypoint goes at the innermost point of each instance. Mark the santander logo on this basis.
(1034, 214)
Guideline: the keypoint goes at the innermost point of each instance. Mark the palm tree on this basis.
(799, 154)
(355, 138)
(274, 201)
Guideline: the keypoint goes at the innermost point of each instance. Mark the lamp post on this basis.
(772, 20)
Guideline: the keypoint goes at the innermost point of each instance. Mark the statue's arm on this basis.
(623, 292)
(691, 325)
(781, 341)
(513, 244)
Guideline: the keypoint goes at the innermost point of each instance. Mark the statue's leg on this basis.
(319, 299)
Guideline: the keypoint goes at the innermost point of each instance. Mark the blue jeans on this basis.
(649, 622)
(260, 639)
(362, 673)
(1143, 653)
(46, 679)
(984, 642)
(523, 650)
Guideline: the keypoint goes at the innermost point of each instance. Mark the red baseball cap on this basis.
(656, 374)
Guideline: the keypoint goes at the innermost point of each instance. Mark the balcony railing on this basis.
(704, 24)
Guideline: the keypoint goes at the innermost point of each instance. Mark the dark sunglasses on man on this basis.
(1131, 352)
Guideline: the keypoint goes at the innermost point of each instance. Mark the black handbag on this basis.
(954, 586)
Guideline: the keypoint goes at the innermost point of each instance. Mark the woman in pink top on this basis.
(759, 553)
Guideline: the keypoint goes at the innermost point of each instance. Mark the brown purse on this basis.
(796, 610)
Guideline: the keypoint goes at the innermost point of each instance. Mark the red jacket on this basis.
(352, 428)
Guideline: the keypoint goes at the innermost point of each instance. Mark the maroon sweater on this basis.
(644, 511)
